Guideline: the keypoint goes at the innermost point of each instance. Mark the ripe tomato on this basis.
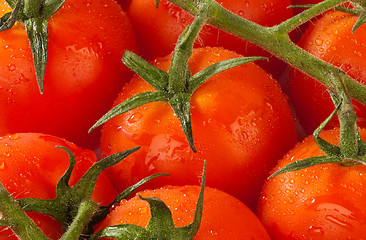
(331, 40)
(320, 202)
(84, 71)
(223, 217)
(31, 165)
(237, 116)
(162, 27)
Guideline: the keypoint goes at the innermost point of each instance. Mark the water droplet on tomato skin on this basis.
(315, 231)
(2, 165)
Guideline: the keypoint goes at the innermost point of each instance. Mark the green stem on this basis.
(80, 222)
(22, 225)
(179, 71)
(277, 42)
(294, 22)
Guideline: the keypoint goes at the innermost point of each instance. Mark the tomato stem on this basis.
(33, 8)
(85, 213)
(179, 72)
(276, 41)
(21, 224)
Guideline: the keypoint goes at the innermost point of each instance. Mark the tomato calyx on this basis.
(351, 150)
(177, 85)
(34, 14)
(160, 225)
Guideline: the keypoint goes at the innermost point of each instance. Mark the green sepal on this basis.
(305, 163)
(157, 3)
(65, 206)
(122, 232)
(37, 30)
(103, 211)
(8, 20)
(201, 77)
(50, 7)
(156, 77)
(360, 21)
(131, 103)
(181, 105)
(326, 147)
(160, 225)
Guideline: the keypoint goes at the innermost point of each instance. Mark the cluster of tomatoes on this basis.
(242, 121)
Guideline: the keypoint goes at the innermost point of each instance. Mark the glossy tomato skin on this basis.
(320, 202)
(224, 217)
(83, 76)
(31, 165)
(162, 27)
(331, 40)
(237, 116)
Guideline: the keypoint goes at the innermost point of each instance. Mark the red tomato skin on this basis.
(224, 217)
(83, 76)
(162, 27)
(31, 165)
(331, 40)
(320, 202)
(235, 119)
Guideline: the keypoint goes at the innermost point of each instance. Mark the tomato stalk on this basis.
(16, 218)
(276, 40)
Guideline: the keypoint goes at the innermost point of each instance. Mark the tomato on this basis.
(223, 217)
(83, 76)
(237, 116)
(331, 40)
(162, 26)
(320, 202)
(31, 165)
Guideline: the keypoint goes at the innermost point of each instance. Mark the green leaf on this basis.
(157, 78)
(122, 232)
(37, 30)
(8, 20)
(180, 103)
(305, 163)
(199, 78)
(129, 104)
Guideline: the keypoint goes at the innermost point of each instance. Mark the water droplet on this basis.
(11, 67)
(13, 136)
(134, 117)
(316, 231)
(318, 42)
(2, 165)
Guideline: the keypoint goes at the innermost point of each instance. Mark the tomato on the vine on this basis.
(84, 71)
(320, 202)
(224, 217)
(241, 123)
(330, 39)
(31, 165)
(162, 26)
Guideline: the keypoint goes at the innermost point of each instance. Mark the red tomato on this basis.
(224, 217)
(331, 40)
(31, 165)
(162, 27)
(237, 116)
(84, 71)
(320, 202)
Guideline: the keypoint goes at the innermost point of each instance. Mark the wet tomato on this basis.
(237, 116)
(320, 202)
